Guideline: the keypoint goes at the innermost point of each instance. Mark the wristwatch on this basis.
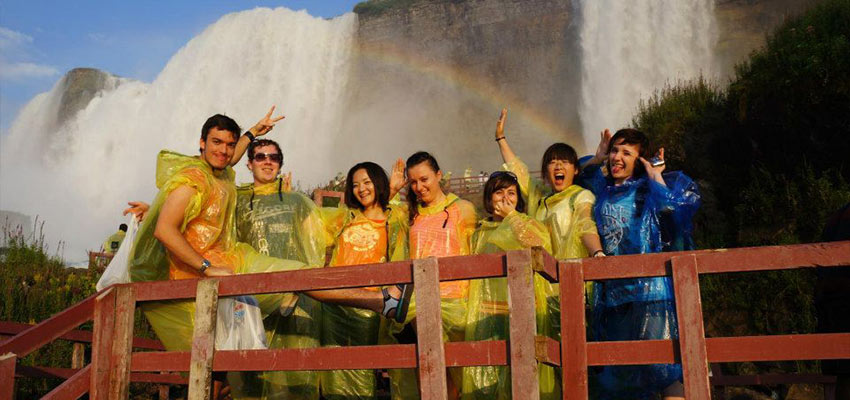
(204, 265)
(250, 136)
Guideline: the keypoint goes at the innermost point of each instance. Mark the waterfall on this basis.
(78, 174)
(631, 48)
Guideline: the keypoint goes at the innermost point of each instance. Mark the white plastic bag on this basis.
(118, 269)
(239, 325)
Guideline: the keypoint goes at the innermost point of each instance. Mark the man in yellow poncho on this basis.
(190, 233)
(284, 224)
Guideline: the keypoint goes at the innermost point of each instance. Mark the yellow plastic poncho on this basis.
(113, 242)
(488, 305)
(358, 240)
(208, 227)
(567, 215)
(440, 230)
(288, 225)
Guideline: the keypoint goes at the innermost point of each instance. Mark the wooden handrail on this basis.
(77, 336)
(574, 353)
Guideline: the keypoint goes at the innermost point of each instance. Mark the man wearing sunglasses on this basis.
(281, 223)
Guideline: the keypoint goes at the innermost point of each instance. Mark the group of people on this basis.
(617, 201)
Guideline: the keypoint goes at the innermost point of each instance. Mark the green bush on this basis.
(39, 285)
(769, 152)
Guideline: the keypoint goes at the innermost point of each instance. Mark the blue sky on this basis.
(41, 40)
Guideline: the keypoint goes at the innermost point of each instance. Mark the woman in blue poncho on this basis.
(639, 209)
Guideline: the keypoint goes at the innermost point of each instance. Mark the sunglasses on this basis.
(274, 157)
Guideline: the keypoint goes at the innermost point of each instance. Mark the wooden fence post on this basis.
(78, 355)
(523, 326)
(691, 330)
(104, 327)
(573, 330)
(7, 375)
(122, 345)
(203, 339)
(429, 330)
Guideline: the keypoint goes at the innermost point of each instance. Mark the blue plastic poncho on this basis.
(639, 216)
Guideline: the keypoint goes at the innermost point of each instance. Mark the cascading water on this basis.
(631, 48)
(78, 174)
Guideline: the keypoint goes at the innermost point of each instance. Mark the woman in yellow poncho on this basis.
(508, 228)
(366, 229)
(440, 226)
(566, 210)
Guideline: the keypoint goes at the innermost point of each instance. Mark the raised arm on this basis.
(261, 128)
(397, 179)
(601, 150)
(507, 154)
(167, 231)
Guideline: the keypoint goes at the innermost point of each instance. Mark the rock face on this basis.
(744, 24)
(80, 87)
(465, 59)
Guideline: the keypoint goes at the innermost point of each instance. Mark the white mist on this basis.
(630, 48)
(78, 176)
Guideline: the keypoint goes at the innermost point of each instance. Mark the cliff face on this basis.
(80, 87)
(743, 26)
(466, 59)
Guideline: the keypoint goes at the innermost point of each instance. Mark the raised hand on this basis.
(287, 182)
(602, 149)
(500, 125)
(397, 178)
(654, 173)
(266, 124)
(139, 208)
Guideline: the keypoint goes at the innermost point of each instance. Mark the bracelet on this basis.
(250, 136)
(595, 253)
(501, 138)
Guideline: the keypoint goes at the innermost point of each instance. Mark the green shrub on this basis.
(39, 285)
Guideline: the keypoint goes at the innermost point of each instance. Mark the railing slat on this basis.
(458, 354)
(691, 331)
(125, 311)
(50, 329)
(73, 388)
(522, 326)
(15, 328)
(632, 352)
(814, 346)
(203, 340)
(573, 332)
(429, 330)
(104, 327)
(7, 375)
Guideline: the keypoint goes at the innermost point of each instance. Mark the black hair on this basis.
(633, 137)
(558, 151)
(221, 122)
(501, 180)
(379, 180)
(418, 158)
(122, 227)
(261, 143)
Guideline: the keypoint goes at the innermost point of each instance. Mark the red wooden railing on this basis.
(113, 362)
